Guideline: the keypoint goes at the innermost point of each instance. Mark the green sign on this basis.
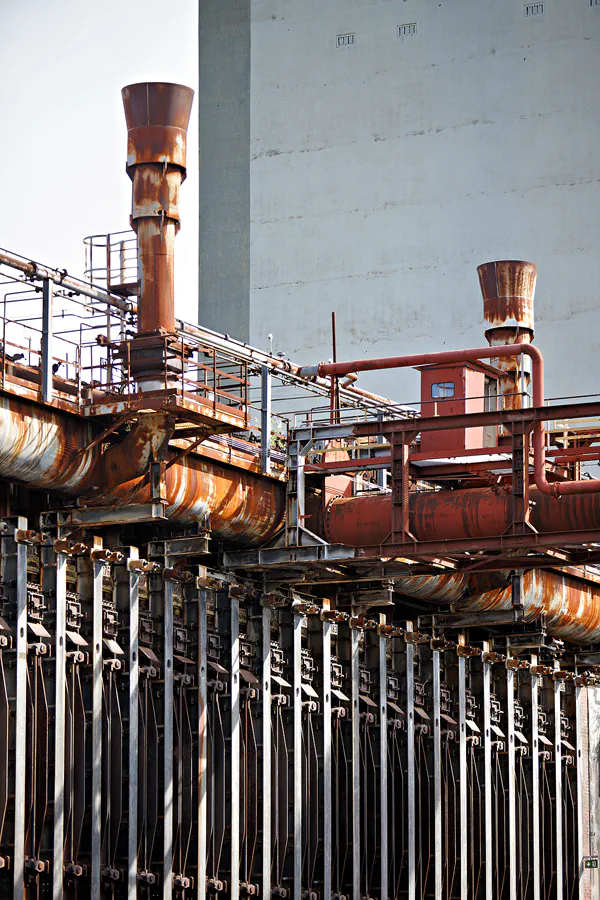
(591, 863)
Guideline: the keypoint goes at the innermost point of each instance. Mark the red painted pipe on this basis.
(557, 489)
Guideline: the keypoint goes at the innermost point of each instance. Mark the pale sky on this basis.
(63, 139)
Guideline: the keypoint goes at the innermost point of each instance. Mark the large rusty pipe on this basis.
(157, 119)
(557, 489)
(455, 515)
(48, 449)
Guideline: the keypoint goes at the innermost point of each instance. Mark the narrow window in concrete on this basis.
(345, 40)
(407, 30)
(595, 3)
(535, 9)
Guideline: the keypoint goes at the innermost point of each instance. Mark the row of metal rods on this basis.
(286, 797)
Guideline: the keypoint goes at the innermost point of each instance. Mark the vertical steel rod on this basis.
(354, 675)
(512, 785)
(266, 752)
(462, 764)
(133, 748)
(97, 570)
(167, 887)
(383, 764)
(47, 340)
(234, 621)
(20, 717)
(297, 757)
(558, 789)
(59, 725)
(487, 774)
(202, 745)
(437, 774)
(535, 782)
(327, 772)
(410, 763)
(580, 711)
(265, 418)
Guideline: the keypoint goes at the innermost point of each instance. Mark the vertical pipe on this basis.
(487, 772)
(535, 781)
(20, 716)
(266, 393)
(327, 772)
(558, 789)
(297, 757)
(59, 725)
(202, 745)
(512, 800)
(97, 569)
(437, 774)
(234, 625)
(266, 751)
(462, 763)
(133, 748)
(47, 339)
(383, 765)
(410, 764)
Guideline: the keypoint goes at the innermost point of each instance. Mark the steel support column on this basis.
(97, 685)
(60, 675)
(133, 742)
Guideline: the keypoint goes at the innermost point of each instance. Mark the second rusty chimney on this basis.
(157, 117)
(508, 288)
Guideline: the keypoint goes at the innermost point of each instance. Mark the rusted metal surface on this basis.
(571, 606)
(240, 507)
(453, 515)
(43, 448)
(508, 289)
(157, 118)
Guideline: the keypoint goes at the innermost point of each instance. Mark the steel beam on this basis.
(512, 785)
(410, 764)
(383, 766)
(558, 788)
(297, 756)
(234, 784)
(133, 743)
(97, 686)
(327, 761)
(202, 744)
(266, 751)
(487, 774)
(437, 776)
(462, 778)
(20, 550)
(168, 785)
(60, 675)
(535, 782)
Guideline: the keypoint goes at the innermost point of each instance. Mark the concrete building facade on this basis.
(364, 156)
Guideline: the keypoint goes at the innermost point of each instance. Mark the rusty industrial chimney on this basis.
(508, 288)
(157, 117)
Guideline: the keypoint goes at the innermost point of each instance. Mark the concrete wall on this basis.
(382, 174)
(224, 105)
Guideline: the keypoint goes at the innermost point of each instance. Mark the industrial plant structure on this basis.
(266, 634)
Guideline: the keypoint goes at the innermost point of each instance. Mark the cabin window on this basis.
(442, 390)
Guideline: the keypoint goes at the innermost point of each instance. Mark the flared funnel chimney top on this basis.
(157, 117)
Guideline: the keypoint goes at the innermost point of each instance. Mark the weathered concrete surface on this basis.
(382, 174)
(224, 105)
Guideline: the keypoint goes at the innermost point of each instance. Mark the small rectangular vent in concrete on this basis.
(535, 9)
(407, 30)
(345, 40)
